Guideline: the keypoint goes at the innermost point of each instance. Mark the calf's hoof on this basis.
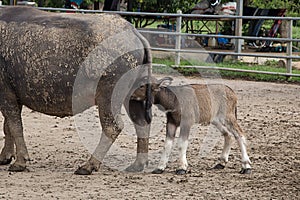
(246, 171)
(219, 166)
(180, 171)
(6, 161)
(157, 171)
(83, 171)
(16, 168)
(135, 168)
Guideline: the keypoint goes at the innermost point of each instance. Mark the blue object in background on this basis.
(171, 27)
(222, 41)
(78, 2)
(205, 42)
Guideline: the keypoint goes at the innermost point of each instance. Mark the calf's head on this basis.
(155, 84)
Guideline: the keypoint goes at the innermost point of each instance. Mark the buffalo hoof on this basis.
(6, 161)
(246, 171)
(180, 171)
(219, 166)
(135, 168)
(16, 168)
(82, 171)
(157, 171)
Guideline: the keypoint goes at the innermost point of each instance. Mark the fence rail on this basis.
(179, 17)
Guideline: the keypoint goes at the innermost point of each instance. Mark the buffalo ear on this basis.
(164, 82)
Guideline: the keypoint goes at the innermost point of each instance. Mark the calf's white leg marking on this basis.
(182, 146)
(171, 130)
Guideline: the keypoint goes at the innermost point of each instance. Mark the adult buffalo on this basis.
(62, 64)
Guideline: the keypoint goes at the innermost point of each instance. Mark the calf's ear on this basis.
(165, 82)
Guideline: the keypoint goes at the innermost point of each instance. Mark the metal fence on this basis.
(237, 52)
(178, 34)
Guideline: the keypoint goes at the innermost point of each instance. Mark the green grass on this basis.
(296, 32)
(257, 77)
(270, 67)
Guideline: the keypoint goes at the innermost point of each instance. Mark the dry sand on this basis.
(268, 112)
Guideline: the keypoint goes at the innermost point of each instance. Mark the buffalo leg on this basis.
(8, 151)
(108, 137)
(13, 129)
(142, 149)
(112, 126)
(14, 124)
(136, 111)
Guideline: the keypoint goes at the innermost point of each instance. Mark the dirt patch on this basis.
(268, 112)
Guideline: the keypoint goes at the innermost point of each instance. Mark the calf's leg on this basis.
(246, 168)
(225, 152)
(170, 136)
(241, 140)
(231, 127)
(182, 147)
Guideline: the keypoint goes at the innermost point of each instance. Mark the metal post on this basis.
(289, 47)
(238, 28)
(178, 38)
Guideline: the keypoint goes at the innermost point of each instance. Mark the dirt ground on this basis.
(268, 112)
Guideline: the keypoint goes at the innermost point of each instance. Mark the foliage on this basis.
(53, 3)
(293, 7)
(170, 6)
(5, 2)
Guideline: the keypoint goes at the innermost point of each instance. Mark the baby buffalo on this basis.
(196, 103)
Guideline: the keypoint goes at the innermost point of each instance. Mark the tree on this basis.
(170, 6)
(293, 7)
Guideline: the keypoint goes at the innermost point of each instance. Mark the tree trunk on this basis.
(247, 2)
(130, 5)
(96, 5)
(41, 3)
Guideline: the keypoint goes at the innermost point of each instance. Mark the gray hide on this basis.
(42, 54)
